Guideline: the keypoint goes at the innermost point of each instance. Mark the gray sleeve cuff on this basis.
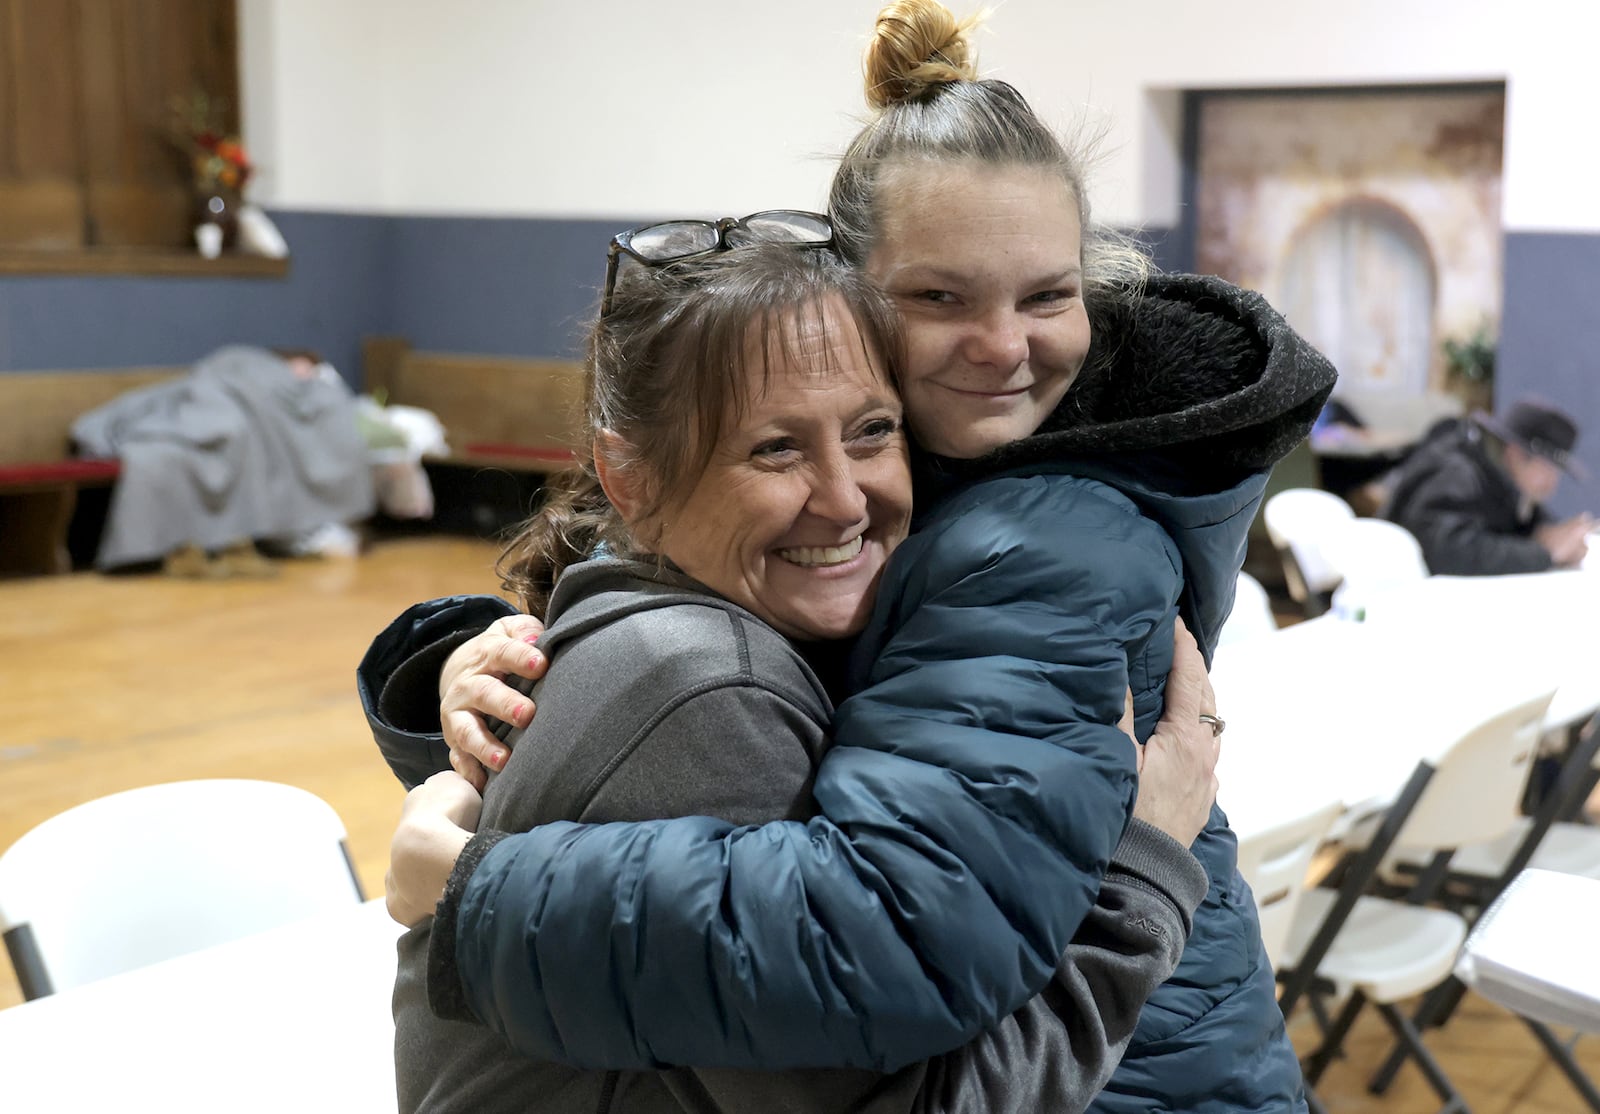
(1152, 860)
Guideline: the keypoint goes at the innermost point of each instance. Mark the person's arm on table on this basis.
(1566, 541)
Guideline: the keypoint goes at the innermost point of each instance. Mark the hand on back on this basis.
(472, 686)
(436, 821)
(1177, 767)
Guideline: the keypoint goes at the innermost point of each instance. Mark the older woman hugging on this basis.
(749, 481)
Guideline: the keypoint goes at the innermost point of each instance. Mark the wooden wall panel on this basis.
(137, 56)
(86, 89)
(41, 214)
(41, 142)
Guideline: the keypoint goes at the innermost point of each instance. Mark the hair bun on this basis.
(916, 46)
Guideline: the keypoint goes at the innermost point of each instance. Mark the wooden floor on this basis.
(111, 682)
(107, 683)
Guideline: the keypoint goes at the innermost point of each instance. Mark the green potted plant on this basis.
(1469, 367)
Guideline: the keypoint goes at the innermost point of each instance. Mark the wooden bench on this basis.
(515, 413)
(510, 413)
(39, 477)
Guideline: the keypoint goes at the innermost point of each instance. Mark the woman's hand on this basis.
(436, 822)
(1177, 770)
(472, 685)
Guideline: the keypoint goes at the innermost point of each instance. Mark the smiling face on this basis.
(805, 494)
(986, 267)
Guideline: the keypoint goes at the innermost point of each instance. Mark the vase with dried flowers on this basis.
(218, 165)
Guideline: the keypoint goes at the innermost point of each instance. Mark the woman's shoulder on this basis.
(655, 627)
(655, 686)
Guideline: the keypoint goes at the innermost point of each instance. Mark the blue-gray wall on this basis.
(1550, 340)
(497, 286)
(501, 286)
(527, 286)
(334, 293)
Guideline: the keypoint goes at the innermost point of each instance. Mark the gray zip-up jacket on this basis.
(666, 700)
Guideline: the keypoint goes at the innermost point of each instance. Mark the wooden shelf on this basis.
(138, 261)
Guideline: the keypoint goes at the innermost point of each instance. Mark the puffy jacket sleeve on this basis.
(398, 679)
(1057, 1052)
(978, 791)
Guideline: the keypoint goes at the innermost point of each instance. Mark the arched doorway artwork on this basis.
(1359, 282)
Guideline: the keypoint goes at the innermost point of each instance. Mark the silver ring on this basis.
(1218, 724)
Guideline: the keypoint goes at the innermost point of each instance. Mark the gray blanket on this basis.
(239, 448)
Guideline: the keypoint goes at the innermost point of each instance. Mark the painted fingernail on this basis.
(497, 758)
(531, 639)
(536, 661)
(525, 714)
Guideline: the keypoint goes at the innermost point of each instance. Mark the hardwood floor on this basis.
(111, 682)
(107, 683)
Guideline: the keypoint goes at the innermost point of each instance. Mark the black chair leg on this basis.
(1450, 993)
(1568, 1064)
(1318, 1061)
(28, 963)
(1437, 1079)
(1319, 1012)
(1434, 1010)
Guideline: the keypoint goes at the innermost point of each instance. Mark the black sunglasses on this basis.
(673, 241)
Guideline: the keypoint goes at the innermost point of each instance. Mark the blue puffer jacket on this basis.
(978, 783)
(1211, 1038)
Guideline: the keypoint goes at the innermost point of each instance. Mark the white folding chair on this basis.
(1299, 521)
(147, 874)
(1373, 556)
(1478, 875)
(1276, 863)
(1251, 616)
(1478, 872)
(1543, 841)
(1369, 949)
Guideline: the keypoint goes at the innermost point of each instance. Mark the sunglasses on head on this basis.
(674, 241)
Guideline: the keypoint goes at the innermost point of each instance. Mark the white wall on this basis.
(629, 108)
(314, 102)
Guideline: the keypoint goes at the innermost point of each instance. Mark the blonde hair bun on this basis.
(916, 46)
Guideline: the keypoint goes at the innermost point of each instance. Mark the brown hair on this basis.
(921, 77)
(666, 367)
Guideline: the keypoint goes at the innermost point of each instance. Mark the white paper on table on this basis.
(1533, 953)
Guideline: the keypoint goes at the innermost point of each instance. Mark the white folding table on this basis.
(1336, 710)
(297, 1018)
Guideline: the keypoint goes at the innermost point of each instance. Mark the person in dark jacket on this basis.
(1060, 534)
(755, 482)
(1473, 494)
